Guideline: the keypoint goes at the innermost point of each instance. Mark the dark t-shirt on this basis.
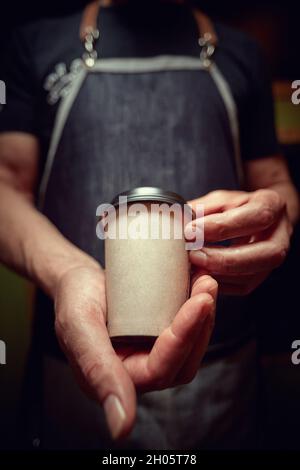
(133, 31)
(166, 129)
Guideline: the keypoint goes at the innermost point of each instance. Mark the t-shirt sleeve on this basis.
(257, 124)
(19, 112)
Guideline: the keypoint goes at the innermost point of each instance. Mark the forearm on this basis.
(31, 244)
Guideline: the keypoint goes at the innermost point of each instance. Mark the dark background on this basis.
(276, 25)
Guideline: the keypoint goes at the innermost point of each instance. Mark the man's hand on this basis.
(32, 245)
(112, 376)
(259, 229)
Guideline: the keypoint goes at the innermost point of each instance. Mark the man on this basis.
(147, 112)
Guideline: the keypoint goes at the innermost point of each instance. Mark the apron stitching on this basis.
(159, 63)
(60, 120)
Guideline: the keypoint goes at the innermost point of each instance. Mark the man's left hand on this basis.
(259, 229)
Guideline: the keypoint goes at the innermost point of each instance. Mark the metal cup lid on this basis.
(151, 194)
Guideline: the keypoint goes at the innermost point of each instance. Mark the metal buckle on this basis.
(207, 49)
(90, 55)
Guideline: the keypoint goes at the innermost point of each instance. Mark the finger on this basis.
(220, 200)
(175, 344)
(260, 213)
(85, 341)
(203, 283)
(196, 273)
(172, 346)
(249, 259)
(200, 284)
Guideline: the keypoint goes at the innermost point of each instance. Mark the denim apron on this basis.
(166, 121)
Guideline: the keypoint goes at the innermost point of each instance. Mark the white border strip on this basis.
(59, 124)
(148, 64)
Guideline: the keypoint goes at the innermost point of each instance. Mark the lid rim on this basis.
(149, 194)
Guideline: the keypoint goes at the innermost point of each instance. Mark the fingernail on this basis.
(190, 232)
(115, 415)
(200, 255)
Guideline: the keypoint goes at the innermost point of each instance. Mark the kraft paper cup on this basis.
(147, 275)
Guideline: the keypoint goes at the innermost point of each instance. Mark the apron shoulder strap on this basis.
(205, 27)
(88, 23)
(89, 19)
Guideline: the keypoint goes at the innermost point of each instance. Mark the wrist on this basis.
(69, 264)
(46, 268)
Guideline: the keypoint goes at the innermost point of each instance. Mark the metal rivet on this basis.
(90, 61)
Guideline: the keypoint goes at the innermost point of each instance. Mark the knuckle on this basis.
(264, 193)
(220, 196)
(219, 193)
(270, 197)
(259, 193)
(282, 255)
(267, 216)
(227, 262)
(278, 253)
(220, 230)
(284, 248)
(213, 285)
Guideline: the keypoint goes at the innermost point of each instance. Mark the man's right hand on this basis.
(111, 376)
(32, 245)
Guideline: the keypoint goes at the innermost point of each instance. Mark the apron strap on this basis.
(89, 19)
(88, 23)
(89, 33)
(205, 27)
